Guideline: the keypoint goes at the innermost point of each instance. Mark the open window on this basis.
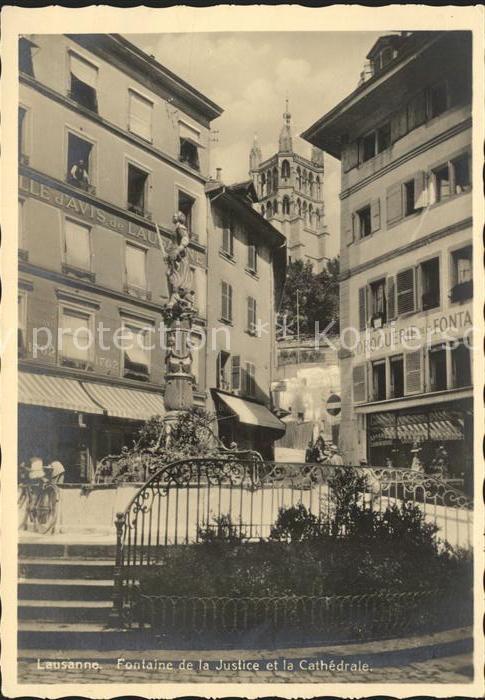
(363, 222)
(462, 274)
(222, 370)
(76, 344)
(136, 351)
(437, 99)
(186, 205)
(396, 367)
(437, 367)
(461, 365)
(189, 145)
(378, 314)
(379, 380)
(368, 146)
(137, 190)
(461, 180)
(442, 183)
(83, 84)
(430, 284)
(383, 137)
(79, 161)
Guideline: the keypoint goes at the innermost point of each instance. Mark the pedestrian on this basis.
(335, 458)
(319, 449)
(310, 452)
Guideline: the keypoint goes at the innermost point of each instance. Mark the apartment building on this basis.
(247, 268)
(111, 144)
(403, 137)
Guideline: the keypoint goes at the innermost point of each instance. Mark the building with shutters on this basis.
(247, 268)
(404, 140)
(111, 144)
(289, 189)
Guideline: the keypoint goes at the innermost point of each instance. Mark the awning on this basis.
(55, 392)
(126, 403)
(252, 413)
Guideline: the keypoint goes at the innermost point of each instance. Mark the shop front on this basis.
(397, 437)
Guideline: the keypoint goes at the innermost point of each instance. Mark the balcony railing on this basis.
(80, 184)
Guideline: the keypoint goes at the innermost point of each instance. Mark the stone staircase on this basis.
(65, 594)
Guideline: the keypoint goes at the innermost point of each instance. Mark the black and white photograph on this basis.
(245, 444)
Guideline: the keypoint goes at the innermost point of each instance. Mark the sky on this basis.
(250, 74)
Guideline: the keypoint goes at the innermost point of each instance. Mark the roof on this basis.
(394, 40)
(379, 90)
(150, 67)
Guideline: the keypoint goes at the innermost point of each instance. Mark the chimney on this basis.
(218, 174)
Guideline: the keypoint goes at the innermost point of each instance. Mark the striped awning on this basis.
(55, 392)
(252, 413)
(121, 402)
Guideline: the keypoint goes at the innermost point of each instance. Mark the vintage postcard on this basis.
(242, 351)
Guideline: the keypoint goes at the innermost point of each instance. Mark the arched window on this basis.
(270, 183)
(298, 178)
(285, 170)
(305, 213)
(275, 177)
(319, 189)
(304, 181)
(263, 184)
(269, 210)
(310, 184)
(286, 204)
(298, 206)
(263, 210)
(310, 215)
(317, 218)
(275, 206)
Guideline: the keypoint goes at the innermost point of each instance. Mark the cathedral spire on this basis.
(285, 141)
(255, 156)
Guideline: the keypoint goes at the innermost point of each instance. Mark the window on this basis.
(78, 161)
(137, 185)
(461, 174)
(22, 115)
(222, 369)
(236, 373)
(84, 79)
(286, 205)
(368, 147)
(451, 179)
(76, 344)
(250, 379)
(430, 284)
(77, 245)
(437, 367)
(408, 191)
(396, 366)
(383, 137)
(462, 274)
(285, 170)
(186, 206)
(378, 303)
(461, 365)
(189, 145)
(437, 100)
(252, 321)
(379, 380)
(22, 323)
(226, 302)
(228, 235)
(405, 291)
(252, 257)
(359, 383)
(140, 116)
(364, 222)
(25, 56)
(136, 352)
(135, 262)
(442, 183)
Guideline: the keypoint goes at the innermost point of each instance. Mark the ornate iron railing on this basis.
(183, 497)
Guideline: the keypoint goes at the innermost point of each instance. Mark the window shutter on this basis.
(391, 298)
(405, 284)
(236, 372)
(398, 125)
(355, 227)
(141, 116)
(359, 383)
(362, 308)
(375, 208)
(394, 203)
(413, 372)
(420, 191)
(78, 245)
(350, 156)
(229, 302)
(136, 266)
(83, 71)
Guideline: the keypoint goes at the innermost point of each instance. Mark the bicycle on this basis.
(37, 503)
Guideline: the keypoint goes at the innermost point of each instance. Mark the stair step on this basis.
(64, 551)
(53, 568)
(65, 589)
(81, 635)
(65, 610)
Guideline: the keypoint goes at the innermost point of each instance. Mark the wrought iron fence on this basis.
(182, 498)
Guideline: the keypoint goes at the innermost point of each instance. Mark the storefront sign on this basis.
(397, 338)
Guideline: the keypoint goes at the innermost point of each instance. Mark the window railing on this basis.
(462, 291)
(80, 184)
(69, 269)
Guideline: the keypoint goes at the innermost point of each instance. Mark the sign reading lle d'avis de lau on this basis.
(398, 337)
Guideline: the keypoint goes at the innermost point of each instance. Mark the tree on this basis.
(318, 299)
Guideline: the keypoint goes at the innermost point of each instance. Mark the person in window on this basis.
(416, 464)
(79, 174)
